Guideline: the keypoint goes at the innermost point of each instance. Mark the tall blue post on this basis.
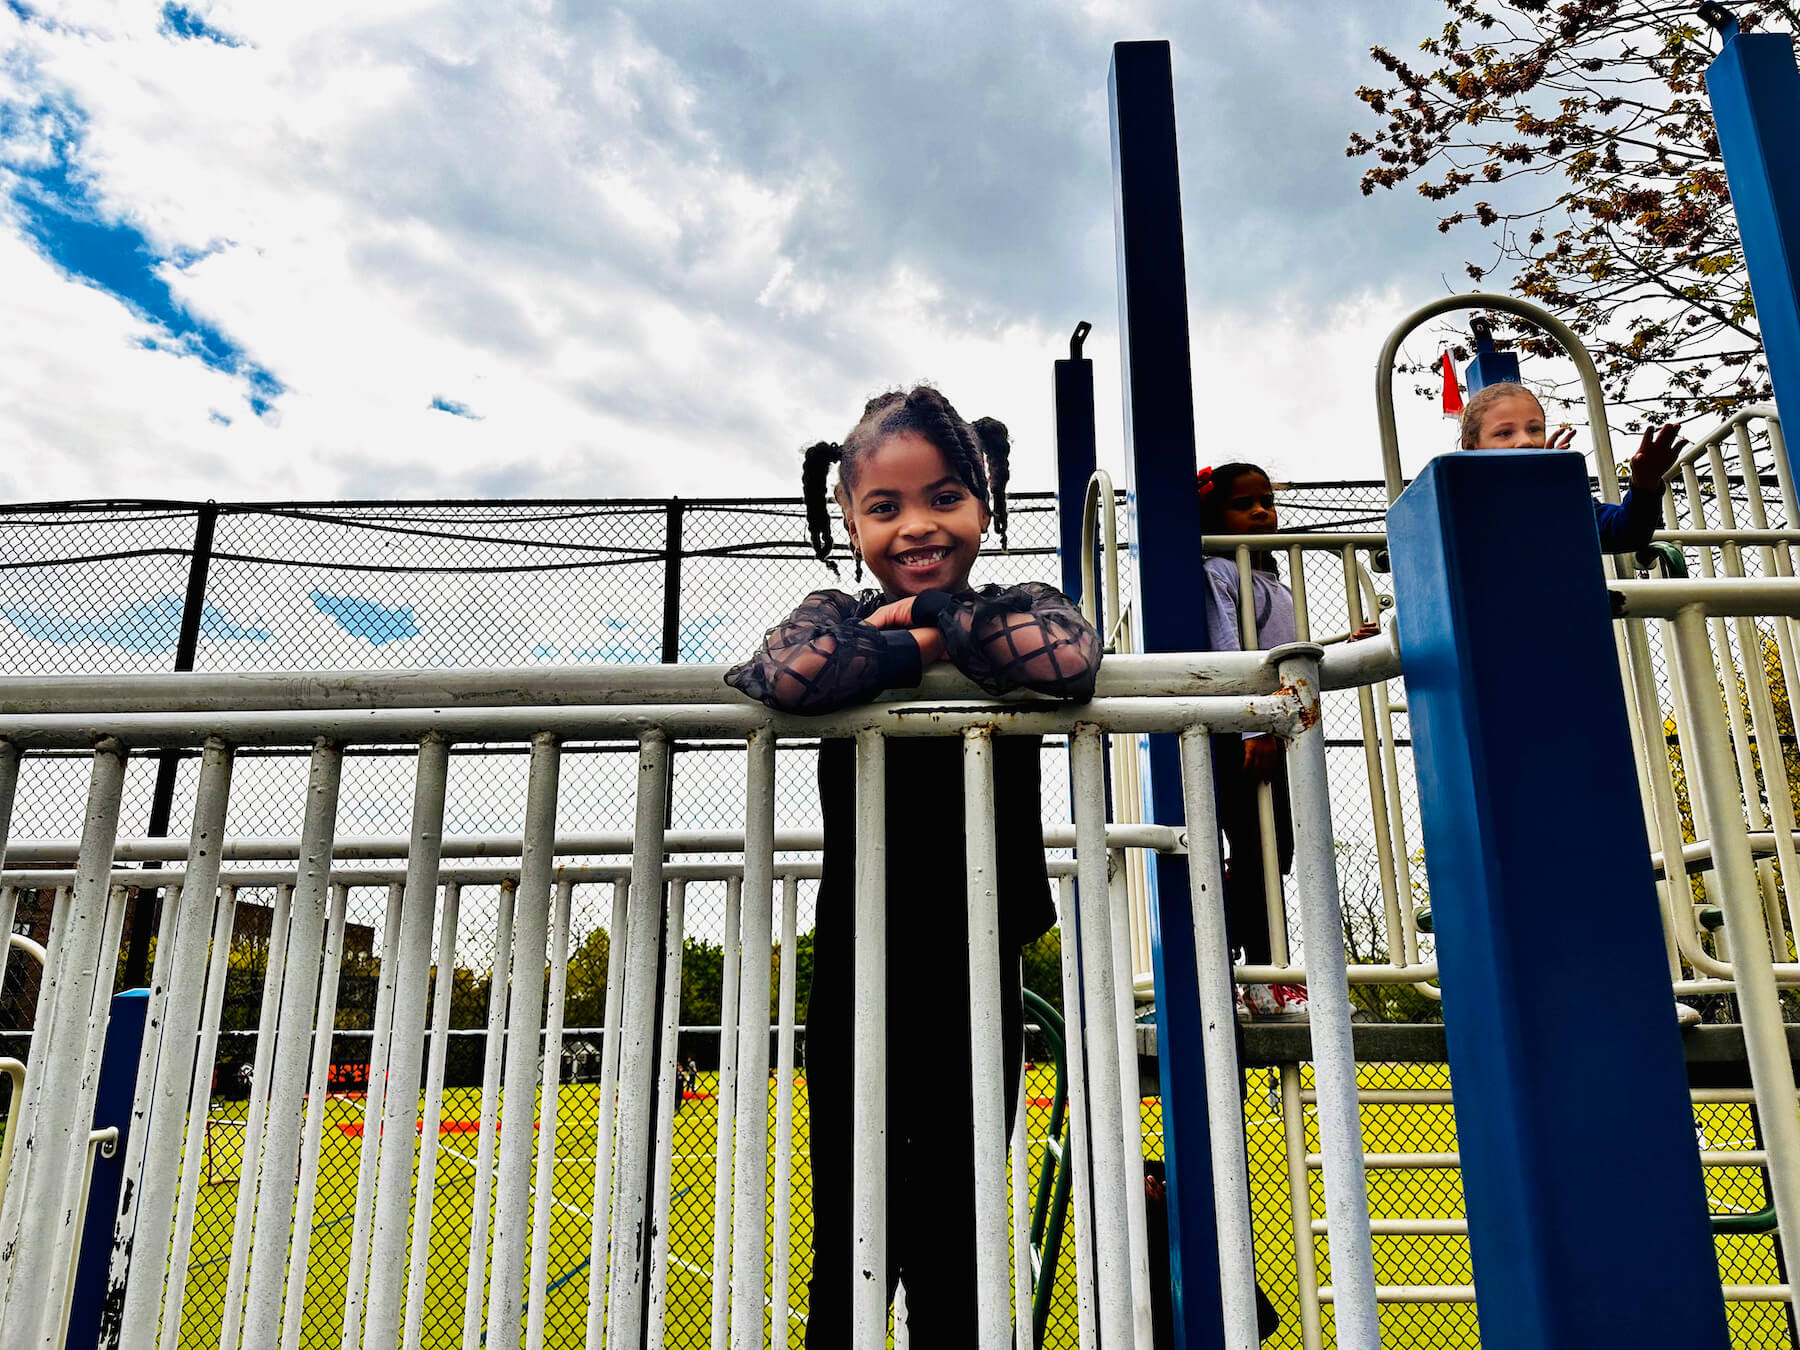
(1076, 457)
(112, 1106)
(1170, 616)
(1755, 91)
(1540, 876)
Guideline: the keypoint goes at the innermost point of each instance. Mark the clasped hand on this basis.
(898, 614)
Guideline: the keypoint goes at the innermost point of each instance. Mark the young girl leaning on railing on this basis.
(918, 488)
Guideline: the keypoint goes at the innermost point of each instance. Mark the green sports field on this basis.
(1394, 1193)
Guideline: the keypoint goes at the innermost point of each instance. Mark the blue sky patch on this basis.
(220, 418)
(152, 626)
(61, 214)
(178, 21)
(641, 643)
(375, 623)
(455, 409)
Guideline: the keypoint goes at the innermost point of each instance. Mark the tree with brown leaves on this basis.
(1585, 131)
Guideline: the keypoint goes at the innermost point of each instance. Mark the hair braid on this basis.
(996, 448)
(814, 467)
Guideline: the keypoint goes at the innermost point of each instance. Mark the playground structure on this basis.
(1694, 652)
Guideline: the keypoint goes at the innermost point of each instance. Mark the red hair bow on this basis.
(1205, 479)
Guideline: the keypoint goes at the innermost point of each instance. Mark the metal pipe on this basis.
(518, 1102)
(606, 1110)
(425, 1206)
(544, 1204)
(48, 1123)
(869, 1105)
(1218, 1038)
(727, 1116)
(987, 1058)
(1021, 1221)
(751, 1137)
(1131, 1101)
(499, 989)
(139, 1333)
(1765, 1041)
(1113, 1253)
(133, 1284)
(374, 1104)
(1334, 1053)
(637, 1063)
(400, 1116)
(293, 1042)
(784, 1119)
(317, 1093)
(1077, 1154)
(665, 1139)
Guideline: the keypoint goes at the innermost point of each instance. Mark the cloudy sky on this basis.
(440, 248)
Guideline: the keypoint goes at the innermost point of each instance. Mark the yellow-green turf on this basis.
(1399, 1260)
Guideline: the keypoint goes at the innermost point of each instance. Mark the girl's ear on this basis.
(987, 518)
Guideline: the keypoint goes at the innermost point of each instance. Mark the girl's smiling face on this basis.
(1249, 506)
(917, 525)
(1515, 422)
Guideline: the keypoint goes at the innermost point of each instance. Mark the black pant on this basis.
(930, 1144)
(1246, 897)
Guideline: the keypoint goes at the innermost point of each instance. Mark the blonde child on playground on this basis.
(918, 488)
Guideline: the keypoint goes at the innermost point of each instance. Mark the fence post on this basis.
(671, 632)
(1170, 616)
(1541, 884)
(162, 796)
(1076, 457)
(112, 1106)
(1755, 92)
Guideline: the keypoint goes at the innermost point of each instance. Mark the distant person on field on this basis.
(1507, 416)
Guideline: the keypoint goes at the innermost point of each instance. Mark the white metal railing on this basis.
(271, 1254)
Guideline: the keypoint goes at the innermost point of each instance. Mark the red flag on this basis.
(1453, 402)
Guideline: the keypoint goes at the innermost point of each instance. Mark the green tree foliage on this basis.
(1584, 134)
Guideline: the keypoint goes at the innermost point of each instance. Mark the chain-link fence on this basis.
(90, 588)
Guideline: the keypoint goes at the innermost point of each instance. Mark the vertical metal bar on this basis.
(665, 1139)
(1081, 1194)
(544, 1202)
(1771, 1071)
(318, 1092)
(499, 981)
(1371, 743)
(1113, 1254)
(293, 1038)
(1076, 459)
(869, 1105)
(434, 1101)
(986, 1053)
(518, 1105)
(1299, 1179)
(781, 1234)
(168, 763)
(374, 1103)
(727, 1116)
(1021, 1220)
(750, 1138)
(1131, 1097)
(1224, 1078)
(671, 631)
(626, 1284)
(606, 1111)
(136, 1279)
(406, 1048)
(9, 790)
(51, 1122)
(140, 1332)
(1328, 1006)
(255, 1115)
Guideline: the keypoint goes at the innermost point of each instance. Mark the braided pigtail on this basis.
(996, 449)
(815, 468)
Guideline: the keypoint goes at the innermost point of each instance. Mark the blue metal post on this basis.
(1755, 91)
(1076, 457)
(1540, 877)
(1169, 616)
(1490, 365)
(112, 1106)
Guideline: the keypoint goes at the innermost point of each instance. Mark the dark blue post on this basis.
(112, 1106)
(1076, 457)
(1170, 616)
(1490, 365)
(1540, 875)
(1755, 93)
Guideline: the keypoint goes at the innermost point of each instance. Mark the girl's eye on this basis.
(879, 508)
(949, 498)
